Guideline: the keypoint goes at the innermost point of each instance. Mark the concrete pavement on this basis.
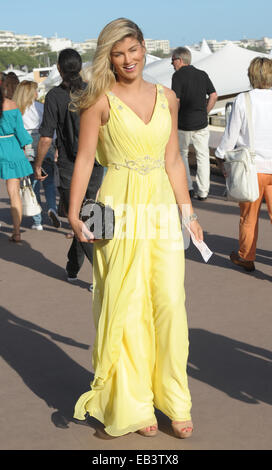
(47, 333)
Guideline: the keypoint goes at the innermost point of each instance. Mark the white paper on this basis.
(204, 250)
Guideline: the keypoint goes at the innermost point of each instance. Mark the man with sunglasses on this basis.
(192, 86)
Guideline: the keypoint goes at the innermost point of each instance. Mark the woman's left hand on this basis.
(197, 230)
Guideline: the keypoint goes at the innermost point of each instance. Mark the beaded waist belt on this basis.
(141, 165)
(6, 136)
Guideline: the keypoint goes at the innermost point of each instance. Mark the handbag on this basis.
(30, 204)
(98, 218)
(239, 164)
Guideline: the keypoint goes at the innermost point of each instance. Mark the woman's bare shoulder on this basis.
(100, 109)
(9, 104)
(99, 106)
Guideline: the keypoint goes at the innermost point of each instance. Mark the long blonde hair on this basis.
(25, 94)
(101, 76)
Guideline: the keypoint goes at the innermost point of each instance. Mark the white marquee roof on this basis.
(227, 69)
(162, 71)
(205, 47)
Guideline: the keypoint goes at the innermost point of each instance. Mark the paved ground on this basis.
(47, 333)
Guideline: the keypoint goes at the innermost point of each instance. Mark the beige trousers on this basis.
(200, 141)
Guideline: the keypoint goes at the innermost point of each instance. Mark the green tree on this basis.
(160, 53)
(17, 58)
(255, 48)
(88, 55)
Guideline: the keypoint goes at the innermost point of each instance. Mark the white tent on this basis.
(29, 76)
(53, 79)
(20, 73)
(227, 68)
(151, 58)
(162, 71)
(204, 49)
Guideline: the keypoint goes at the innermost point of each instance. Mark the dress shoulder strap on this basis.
(114, 101)
(161, 96)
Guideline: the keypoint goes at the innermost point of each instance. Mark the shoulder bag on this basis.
(29, 201)
(239, 164)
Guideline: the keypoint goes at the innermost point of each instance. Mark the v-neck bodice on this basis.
(122, 103)
(126, 137)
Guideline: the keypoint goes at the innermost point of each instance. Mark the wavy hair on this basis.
(25, 94)
(260, 72)
(100, 76)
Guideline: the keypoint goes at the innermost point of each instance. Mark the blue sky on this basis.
(182, 22)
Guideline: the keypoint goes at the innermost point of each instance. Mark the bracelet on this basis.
(191, 218)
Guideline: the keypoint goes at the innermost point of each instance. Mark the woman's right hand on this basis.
(81, 232)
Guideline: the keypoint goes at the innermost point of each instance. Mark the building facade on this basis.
(153, 45)
(13, 41)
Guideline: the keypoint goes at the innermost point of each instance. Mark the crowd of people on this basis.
(141, 132)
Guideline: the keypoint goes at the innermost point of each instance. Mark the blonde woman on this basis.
(13, 163)
(25, 96)
(236, 135)
(141, 348)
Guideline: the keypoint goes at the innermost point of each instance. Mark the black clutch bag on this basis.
(98, 218)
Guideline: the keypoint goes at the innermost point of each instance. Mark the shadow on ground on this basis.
(222, 246)
(24, 255)
(43, 366)
(238, 369)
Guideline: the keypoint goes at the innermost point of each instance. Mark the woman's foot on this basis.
(15, 237)
(182, 429)
(149, 431)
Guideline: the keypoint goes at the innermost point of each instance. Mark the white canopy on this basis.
(227, 69)
(20, 73)
(29, 76)
(204, 49)
(53, 79)
(162, 71)
(151, 58)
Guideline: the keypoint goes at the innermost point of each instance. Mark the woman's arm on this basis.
(232, 130)
(175, 168)
(90, 121)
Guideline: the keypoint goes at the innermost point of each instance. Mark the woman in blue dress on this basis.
(13, 162)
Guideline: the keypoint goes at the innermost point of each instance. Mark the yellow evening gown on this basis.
(141, 347)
